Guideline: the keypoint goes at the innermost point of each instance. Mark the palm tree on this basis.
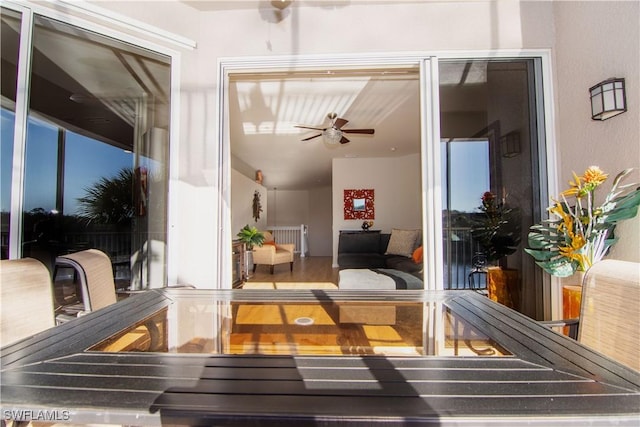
(110, 200)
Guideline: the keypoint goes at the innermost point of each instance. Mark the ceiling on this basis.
(87, 83)
(265, 108)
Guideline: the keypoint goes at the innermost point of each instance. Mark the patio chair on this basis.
(271, 253)
(609, 318)
(26, 299)
(94, 272)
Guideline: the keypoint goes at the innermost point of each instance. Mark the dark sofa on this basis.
(367, 250)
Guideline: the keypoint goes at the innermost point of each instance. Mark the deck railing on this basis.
(459, 250)
(458, 245)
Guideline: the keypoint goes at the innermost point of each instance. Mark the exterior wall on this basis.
(582, 57)
(596, 41)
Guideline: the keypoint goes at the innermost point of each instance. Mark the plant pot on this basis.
(503, 285)
(248, 258)
(571, 296)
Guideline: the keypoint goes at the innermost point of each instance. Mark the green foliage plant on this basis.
(250, 236)
(498, 232)
(579, 233)
(109, 201)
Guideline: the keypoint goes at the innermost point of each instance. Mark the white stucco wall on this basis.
(590, 41)
(605, 44)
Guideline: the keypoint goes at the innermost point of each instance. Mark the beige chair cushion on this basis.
(272, 253)
(96, 273)
(610, 311)
(268, 237)
(26, 299)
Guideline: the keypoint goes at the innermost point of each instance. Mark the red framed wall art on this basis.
(358, 204)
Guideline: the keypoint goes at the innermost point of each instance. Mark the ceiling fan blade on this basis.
(343, 140)
(309, 127)
(363, 131)
(340, 122)
(311, 137)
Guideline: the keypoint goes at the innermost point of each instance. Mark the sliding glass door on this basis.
(11, 30)
(490, 174)
(93, 157)
(481, 131)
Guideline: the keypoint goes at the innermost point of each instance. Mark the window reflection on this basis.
(482, 102)
(203, 324)
(96, 152)
(10, 27)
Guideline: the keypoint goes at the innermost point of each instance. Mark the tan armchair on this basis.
(271, 253)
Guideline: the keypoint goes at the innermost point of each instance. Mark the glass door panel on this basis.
(489, 149)
(10, 26)
(97, 152)
(466, 165)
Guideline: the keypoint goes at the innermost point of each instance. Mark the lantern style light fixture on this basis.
(608, 99)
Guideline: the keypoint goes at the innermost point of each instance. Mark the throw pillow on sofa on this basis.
(418, 254)
(402, 242)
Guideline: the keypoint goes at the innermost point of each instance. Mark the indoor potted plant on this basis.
(250, 236)
(498, 230)
(498, 234)
(579, 232)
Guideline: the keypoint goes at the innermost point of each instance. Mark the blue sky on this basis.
(469, 174)
(87, 160)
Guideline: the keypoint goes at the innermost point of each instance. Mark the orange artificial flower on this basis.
(594, 176)
(574, 187)
(582, 233)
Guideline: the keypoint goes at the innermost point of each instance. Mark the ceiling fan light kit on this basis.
(332, 136)
(334, 133)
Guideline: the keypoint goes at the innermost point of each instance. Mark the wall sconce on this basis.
(608, 99)
(510, 144)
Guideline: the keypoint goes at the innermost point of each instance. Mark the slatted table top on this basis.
(543, 379)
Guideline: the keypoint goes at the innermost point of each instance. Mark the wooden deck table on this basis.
(202, 357)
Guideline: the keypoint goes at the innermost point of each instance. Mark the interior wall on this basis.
(311, 207)
(288, 207)
(397, 192)
(243, 190)
(320, 220)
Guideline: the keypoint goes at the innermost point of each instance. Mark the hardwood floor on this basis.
(308, 269)
(273, 328)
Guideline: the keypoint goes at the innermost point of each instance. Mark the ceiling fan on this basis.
(333, 134)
